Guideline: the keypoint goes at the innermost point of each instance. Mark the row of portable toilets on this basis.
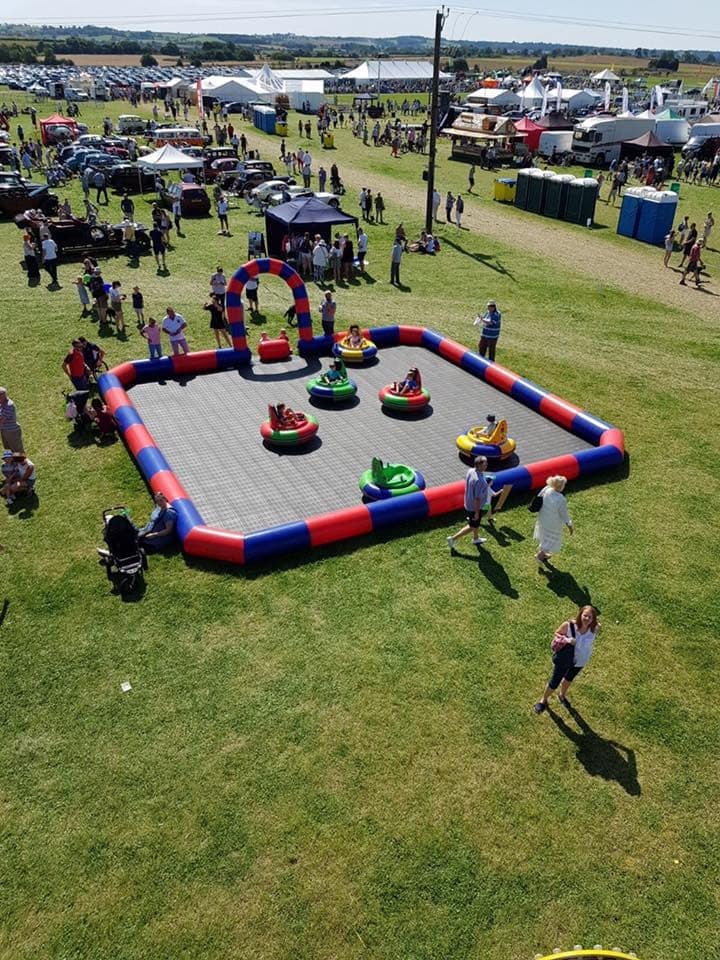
(558, 195)
(647, 214)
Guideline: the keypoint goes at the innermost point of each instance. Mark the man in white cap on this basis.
(490, 322)
(10, 431)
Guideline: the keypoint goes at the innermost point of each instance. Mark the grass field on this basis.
(335, 756)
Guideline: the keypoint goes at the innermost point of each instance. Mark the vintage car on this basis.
(131, 178)
(193, 198)
(17, 197)
(75, 236)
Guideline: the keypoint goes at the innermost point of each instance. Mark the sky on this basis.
(612, 23)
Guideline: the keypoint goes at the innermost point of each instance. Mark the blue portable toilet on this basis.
(630, 211)
(264, 118)
(657, 215)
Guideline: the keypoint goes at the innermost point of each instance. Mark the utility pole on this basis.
(440, 17)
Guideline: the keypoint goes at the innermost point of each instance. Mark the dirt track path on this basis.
(630, 270)
(633, 271)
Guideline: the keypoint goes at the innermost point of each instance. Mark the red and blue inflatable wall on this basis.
(201, 540)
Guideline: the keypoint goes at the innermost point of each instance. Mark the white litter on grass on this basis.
(126, 686)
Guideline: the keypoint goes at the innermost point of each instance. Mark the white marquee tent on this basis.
(532, 95)
(370, 71)
(236, 89)
(169, 158)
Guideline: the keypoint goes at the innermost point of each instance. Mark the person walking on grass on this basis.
(177, 215)
(570, 659)
(551, 519)
(694, 264)
(471, 178)
(222, 212)
(478, 495)
(690, 238)
(158, 247)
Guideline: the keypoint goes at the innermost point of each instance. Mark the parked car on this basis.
(225, 165)
(74, 236)
(295, 193)
(13, 179)
(17, 198)
(264, 190)
(130, 177)
(193, 198)
(129, 123)
(247, 181)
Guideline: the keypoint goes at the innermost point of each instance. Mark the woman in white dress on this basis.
(551, 518)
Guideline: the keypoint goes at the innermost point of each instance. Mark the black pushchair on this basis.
(124, 560)
(75, 409)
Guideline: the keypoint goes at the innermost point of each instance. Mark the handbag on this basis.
(561, 640)
(535, 504)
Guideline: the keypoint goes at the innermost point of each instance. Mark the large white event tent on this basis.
(494, 97)
(371, 71)
(574, 99)
(264, 87)
(169, 158)
(236, 90)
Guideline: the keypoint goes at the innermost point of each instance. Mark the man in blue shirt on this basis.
(490, 322)
(159, 531)
(478, 494)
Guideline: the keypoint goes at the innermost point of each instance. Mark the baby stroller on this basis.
(75, 410)
(124, 560)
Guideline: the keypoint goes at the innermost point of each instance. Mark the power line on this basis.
(527, 16)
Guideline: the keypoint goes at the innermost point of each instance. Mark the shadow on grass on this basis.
(493, 571)
(564, 584)
(482, 258)
(25, 506)
(4, 611)
(600, 757)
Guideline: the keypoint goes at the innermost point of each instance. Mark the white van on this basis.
(559, 141)
(129, 123)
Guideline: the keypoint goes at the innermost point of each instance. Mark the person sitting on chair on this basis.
(411, 383)
(159, 531)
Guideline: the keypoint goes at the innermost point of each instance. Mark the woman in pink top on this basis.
(151, 332)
